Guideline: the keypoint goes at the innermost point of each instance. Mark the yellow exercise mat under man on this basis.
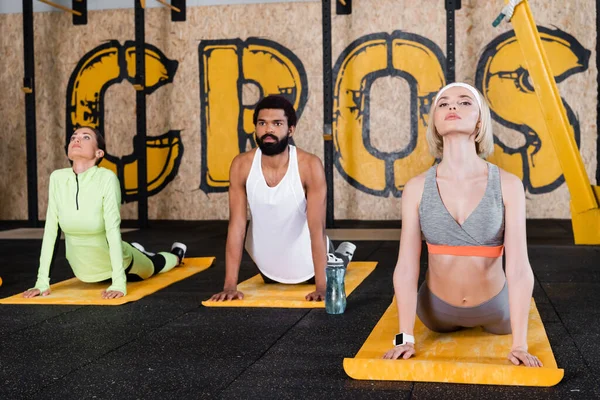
(466, 356)
(75, 292)
(279, 295)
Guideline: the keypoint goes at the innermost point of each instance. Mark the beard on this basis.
(273, 148)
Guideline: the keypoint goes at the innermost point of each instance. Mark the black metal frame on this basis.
(328, 109)
(451, 6)
(343, 7)
(178, 16)
(30, 117)
(139, 142)
(81, 6)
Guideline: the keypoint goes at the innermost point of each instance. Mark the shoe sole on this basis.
(142, 249)
(349, 248)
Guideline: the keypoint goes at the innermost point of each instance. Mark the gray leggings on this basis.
(439, 316)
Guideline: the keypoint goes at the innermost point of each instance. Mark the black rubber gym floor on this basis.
(168, 346)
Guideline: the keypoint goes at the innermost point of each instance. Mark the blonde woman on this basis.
(471, 212)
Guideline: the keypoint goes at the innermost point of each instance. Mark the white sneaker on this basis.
(179, 250)
(347, 249)
(142, 250)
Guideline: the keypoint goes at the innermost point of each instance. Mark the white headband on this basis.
(462, 85)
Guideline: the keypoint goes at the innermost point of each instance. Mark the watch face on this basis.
(399, 339)
(402, 338)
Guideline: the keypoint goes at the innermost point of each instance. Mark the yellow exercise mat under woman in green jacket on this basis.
(85, 202)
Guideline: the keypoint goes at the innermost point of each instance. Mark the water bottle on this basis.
(335, 295)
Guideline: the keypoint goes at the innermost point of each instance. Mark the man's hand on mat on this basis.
(232, 294)
(405, 351)
(35, 292)
(112, 294)
(519, 355)
(317, 295)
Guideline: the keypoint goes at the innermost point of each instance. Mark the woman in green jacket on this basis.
(85, 201)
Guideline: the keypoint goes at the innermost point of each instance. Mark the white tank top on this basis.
(278, 238)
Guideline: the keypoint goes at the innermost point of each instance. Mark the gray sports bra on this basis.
(482, 233)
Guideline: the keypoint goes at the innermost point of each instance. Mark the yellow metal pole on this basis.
(172, 7)
(61, 7)
(584, 197)
(552, 108)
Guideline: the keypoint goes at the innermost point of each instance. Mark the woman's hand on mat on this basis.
(405, 351)
(111, 294)
(35, 292)
(317, 295)
(519, 355)
(232, 294)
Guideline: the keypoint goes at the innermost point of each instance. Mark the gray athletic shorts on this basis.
(439, 316)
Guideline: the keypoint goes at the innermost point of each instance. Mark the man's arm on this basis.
(236, 231)
(316, 199)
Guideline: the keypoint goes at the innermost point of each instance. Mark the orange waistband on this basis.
(477, 251)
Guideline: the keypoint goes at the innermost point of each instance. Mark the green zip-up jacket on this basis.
(87, 208)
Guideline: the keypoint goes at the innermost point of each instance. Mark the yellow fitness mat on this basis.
(278, 295)
(466, 356)
(75, 292)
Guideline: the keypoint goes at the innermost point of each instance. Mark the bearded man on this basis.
(286, 190)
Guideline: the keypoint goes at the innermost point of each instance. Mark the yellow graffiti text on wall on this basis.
(411, 57)
(102, 67)
(504, 80)
(228, 67)
(227, 126)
